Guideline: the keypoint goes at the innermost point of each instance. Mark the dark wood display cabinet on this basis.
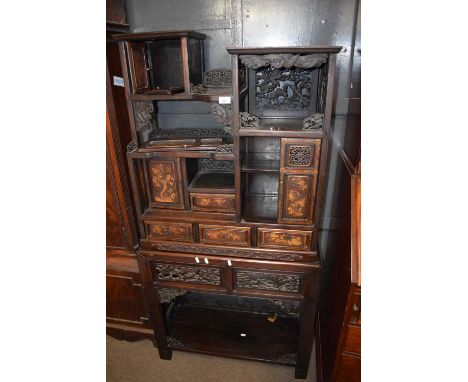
(227, 169)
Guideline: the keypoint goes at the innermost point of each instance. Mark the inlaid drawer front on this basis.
(213, 202)
(287, 239)
(300, 154)
(223, 235)
(187, 273)
(162, 231)
(267, 281)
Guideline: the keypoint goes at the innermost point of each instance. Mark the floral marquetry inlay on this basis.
(297, 187)
(163, 180)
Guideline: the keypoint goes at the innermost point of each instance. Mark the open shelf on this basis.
(260, 208)
(252, 164)
(222, 181)
(238, 333)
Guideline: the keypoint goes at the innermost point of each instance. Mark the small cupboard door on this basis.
(138, 67)
(166, 183)
(298, 180)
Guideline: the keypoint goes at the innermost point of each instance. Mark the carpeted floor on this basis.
(139, 362)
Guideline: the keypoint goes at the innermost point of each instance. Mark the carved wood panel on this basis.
(222, 235)
(213, 202)
(300, 154)
(288, 239)
(166, 183)
(267, 281)
(180, 232)
(186, 273)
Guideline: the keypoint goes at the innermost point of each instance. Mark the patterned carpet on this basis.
(139, 362)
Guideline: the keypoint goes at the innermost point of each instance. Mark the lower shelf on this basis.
(261, 209)
(234, 333)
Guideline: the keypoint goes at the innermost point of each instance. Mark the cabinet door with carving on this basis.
(165, 184)
(298, 181)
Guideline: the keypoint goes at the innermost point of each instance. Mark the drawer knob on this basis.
(206, 261)
(229, 262)
(356, 307)
(197, 260)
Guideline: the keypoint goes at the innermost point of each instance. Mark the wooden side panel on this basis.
(222, 235)
(287, 239)
(166, 183)
(138, 68)
(162, 231)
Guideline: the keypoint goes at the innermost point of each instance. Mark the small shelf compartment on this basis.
(213, 180)
(240, 327)
(210, 176)
(261, 197)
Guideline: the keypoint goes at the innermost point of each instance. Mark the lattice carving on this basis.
(218, 78)
(201, 275)
(217, 165)
(300, 155)
(198, 89)
(166, 295)
(190, 133)
(224, 148)
(287, 90)
(268, 281)
(144, 114)
(227, 252)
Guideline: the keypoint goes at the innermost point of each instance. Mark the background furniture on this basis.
(126, 312)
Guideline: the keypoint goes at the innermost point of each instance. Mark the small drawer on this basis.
(164, 231)
(193, 274)
(213, 202)
(224, 235)
(285, 239)
(267, 281)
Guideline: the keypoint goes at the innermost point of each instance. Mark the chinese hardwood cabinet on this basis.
(227, 169)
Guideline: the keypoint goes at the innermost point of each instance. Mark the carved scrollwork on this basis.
(132, 146)
(144, 113)
(169, 272)
(174, 342)
(218, 78)
(166, 295)
(249, 121)
(313, 122)
(289, 359)
(284, 60)
(288, 307)
(268, 281)
(198, 89)
(235, 252)
(191, 133)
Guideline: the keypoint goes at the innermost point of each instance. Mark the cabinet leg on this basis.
(165, 354)
(300, 373)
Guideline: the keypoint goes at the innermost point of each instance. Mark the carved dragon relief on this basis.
(169, 272)
(144, 114)
(166, 295)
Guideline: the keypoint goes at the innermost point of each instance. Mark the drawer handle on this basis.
(197, 260)
(356, 307)
(206, 261)
(229, 262)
